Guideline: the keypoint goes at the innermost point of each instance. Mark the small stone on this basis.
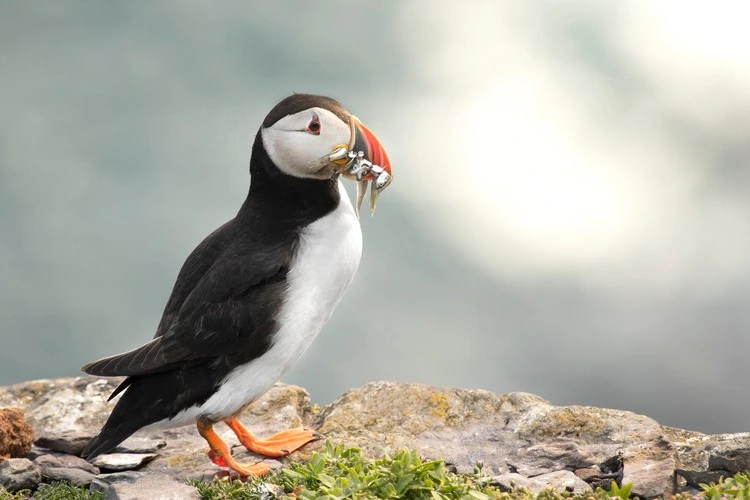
(613, 465)
(104, 481)
(140, 445)
(37, 452)
(76, 476)
(548, 456)
(152, 486)
(595, 478)
(269, 491)
(71, 442)
(650, 478)
(694, 479)
(122, 461)
(512, 481)
(16, 435)
(734, 461)
(19, 474)
(57, 460)
(563, 480)
(69, 468)
(603, 474)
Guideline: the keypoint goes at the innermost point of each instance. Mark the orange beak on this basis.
(363, 145)
(364, 140)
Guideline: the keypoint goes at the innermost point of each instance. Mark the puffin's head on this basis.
(302, 131)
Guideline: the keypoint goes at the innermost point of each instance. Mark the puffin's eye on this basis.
(314, 126)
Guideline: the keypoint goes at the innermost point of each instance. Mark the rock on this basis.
(76, 476)
(695, 479)
(733, 460)
(513, 433)
(140, 445)
(104, 481)
(16, 435)
(268, 491)
(650, 478)
(71, 441)
(122, 461)
(56, 460)
(603, 474)
(704, 459)
(517, 433)
(19, 474)
(37, 452)
(462, 427)
(595, 478)
(562, 480)
(152, 486)
(513, 480)
(63, 467)
(519, 438)
(54, 406)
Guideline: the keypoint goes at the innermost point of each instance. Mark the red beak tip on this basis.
(376, 151)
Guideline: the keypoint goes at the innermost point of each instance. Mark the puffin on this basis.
(255, 293)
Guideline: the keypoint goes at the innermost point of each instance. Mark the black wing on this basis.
(222, 306)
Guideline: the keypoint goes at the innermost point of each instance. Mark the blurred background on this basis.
(569, 217)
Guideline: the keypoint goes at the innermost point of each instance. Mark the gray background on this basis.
(569, 215)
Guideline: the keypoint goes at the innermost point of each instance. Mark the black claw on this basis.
(318, 436)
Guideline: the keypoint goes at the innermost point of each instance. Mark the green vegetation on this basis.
(737, 487)
(54, 491)
(342, 473)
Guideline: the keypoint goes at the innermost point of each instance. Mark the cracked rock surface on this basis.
(520, 439)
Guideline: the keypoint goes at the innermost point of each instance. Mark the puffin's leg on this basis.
(221, 455)
(278, 445)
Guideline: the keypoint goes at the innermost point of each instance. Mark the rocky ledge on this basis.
(520, 439)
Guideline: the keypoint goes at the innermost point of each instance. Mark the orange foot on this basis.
(221, 455)
(278, 445)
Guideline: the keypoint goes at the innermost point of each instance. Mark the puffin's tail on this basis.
(153, 398)
(107, 440)
(127, 417)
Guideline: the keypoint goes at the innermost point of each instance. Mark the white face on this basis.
(298, 143)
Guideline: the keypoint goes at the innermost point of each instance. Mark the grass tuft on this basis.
(737, 487)
(342, 473)
(53, 491)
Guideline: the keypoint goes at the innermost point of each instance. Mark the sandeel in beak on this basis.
(364, 160)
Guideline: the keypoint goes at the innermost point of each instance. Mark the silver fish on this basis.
(361, 190)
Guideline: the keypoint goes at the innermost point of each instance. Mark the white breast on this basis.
(326, 260)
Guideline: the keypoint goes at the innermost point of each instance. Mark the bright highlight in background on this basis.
(541, 183)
